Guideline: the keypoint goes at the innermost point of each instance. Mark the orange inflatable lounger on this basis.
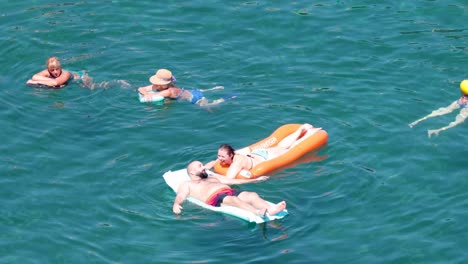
(313, 142)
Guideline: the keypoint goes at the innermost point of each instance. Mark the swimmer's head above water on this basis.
(464, 87)
(54, 67)
(162, 77)
(226, 154)
(196, 168)
(162, 80)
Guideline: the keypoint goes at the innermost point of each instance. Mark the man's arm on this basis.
(182, 193)
(226, 180)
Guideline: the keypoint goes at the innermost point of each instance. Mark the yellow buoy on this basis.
(464, 87)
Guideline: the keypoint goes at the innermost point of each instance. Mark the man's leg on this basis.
(239, 203)
(256, 201)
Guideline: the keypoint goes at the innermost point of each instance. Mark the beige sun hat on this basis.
(162, 77)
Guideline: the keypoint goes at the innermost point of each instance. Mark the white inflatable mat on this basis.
(175, 178)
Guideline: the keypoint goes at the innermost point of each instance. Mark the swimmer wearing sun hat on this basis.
(163, 86)
(162, 77)
(160, 81)
(461, 103)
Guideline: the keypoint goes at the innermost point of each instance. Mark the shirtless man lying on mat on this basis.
(215, 192)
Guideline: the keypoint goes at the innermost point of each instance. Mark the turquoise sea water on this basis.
(81, 170)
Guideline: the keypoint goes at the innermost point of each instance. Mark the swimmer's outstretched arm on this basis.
(460, 118)
(438, 112)
(213, 88)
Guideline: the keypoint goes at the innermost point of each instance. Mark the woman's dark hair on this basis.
(226, 147)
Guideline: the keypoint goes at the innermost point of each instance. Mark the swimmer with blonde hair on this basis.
(54, 76)
(461, 103)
